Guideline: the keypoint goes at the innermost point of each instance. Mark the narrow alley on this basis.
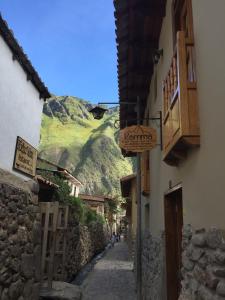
(112, 278)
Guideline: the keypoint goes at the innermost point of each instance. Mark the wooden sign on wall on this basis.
(137, 138)
(25, 159)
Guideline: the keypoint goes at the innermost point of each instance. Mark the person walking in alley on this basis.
(113, 239)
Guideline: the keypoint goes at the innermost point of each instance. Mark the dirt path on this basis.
(112, 277)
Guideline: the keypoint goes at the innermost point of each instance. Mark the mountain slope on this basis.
(88, 148)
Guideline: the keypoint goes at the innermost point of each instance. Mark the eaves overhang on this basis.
(21, 57)
(138, 27)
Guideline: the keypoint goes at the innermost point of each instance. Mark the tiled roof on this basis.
(138, 26)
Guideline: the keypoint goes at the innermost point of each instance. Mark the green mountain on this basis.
(73, 139)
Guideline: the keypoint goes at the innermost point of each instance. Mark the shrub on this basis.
(82, 213)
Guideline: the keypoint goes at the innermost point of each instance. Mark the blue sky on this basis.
(71, 43)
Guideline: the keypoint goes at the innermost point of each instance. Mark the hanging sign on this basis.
(137, 138)
(25, 159)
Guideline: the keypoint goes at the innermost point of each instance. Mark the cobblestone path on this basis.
(112, 277)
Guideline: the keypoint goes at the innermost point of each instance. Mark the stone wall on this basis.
(153, 267)
(203, 260)
(83, 242)
(20, 239)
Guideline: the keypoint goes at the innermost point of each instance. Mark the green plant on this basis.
(79, 209)
(82, 213)
(87, 145)
(62, 193)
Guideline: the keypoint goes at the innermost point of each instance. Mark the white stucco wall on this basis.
(20, 108)
(202, 174)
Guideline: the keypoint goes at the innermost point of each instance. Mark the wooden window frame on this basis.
(180, 8)
(180, 109)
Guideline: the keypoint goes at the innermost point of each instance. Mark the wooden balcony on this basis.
(180, 115)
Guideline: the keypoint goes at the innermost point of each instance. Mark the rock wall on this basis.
(20, 239)
(83, 242)
(153, 263)
(203, 260)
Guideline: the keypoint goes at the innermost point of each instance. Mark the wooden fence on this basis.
(54, 219)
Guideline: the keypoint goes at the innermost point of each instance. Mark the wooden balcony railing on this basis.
(180, 115)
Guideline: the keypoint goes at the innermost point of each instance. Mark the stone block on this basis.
(196, 253)
(187, 231)
(202, 262)
(219, 271)
(3, 245)
(27, 291)
(5, 275)
(5, 294)
(13, 227)
(188, 264)
(14, 239)
(3, 234)
(211, 280)
(15, 290)
(21, 219)
(27, 265)
(220, 257)
(15, 277)
(191, 287)
(15, 198)
(217, 297)
(15, 250)
(199, 239)
(15, 264)
(214, 238)
(29, 247)
(210, 256)
(199, 274)
(220, 290)
(205, 293)
(12, 207)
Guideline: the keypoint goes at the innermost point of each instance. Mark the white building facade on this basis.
(22, 94)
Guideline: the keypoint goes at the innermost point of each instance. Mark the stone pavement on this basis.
(112, 277)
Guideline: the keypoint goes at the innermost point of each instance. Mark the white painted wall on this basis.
(74, 189)
(20, 108)
(202, 174)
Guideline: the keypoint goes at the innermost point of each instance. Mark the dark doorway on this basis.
(173, 210)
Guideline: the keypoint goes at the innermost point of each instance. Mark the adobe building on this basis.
(22, 94)
(47, 166)
(171, 56)
(95, 203)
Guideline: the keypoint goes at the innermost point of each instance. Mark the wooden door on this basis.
(173, 230)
